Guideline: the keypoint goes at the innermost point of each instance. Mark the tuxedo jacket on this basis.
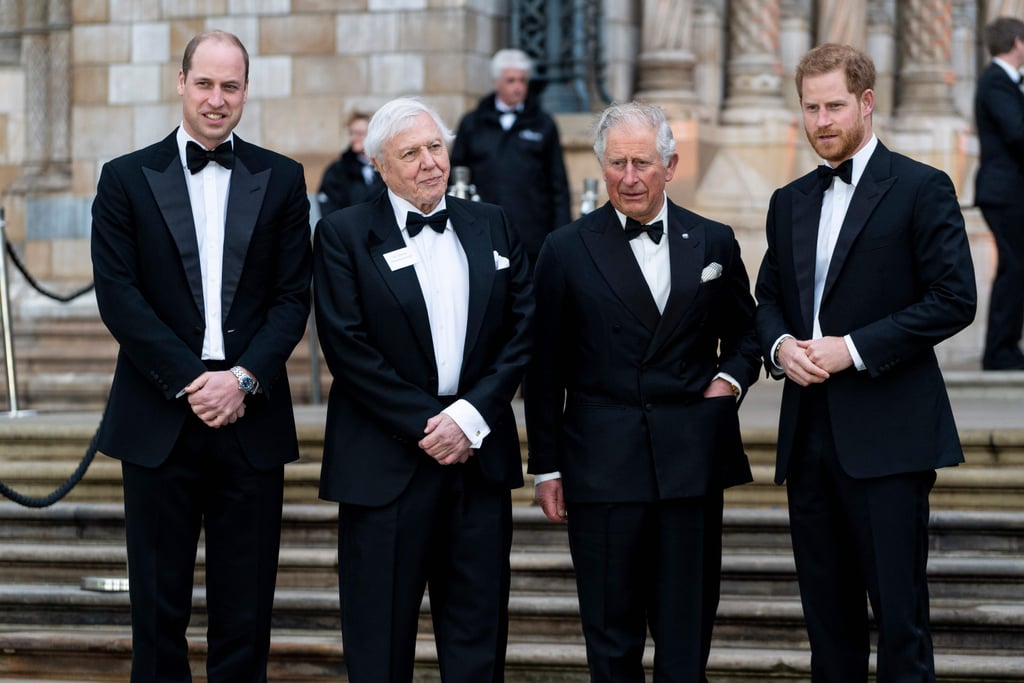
(375, 335)
(149, 288)
(900, 281)
(999, 117)
(614, 395)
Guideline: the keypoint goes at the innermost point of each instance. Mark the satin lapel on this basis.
(609, 248)
(874, 184)
(686, 248)
(171, 194)
(479, 250)
(245, 198)
(385, 237)
(806, 208)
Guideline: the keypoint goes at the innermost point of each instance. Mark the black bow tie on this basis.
(414, 222)
(196, 157)
(843, 171)
(635, 228)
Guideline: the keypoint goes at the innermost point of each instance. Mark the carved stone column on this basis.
(754, 70)
(1003, 8)
(843, 21)
(10, 44)
(926, 77)
(794, 42)
(666, 62)
(881, 45)
(708, 47)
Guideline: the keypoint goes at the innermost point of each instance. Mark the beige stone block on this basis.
(101, 44)
(270, 77)
(137, 10)
(154, 122)
(168, 79)
(300, 125)
(71, 258)
(366, 33)
(90, 11)
(395, 5)
(247, 28)
(333, 76)
(89, 85)
(432, 31)
(151, 43)
(100, 132)
(194, 8)
(3, 135)
(259, 6)
(445, 73)
(38, 256)
(134, 83)
(296, 34)
(181, 31)
(84, 175)
(299, 6)
(394, 75)
(12, 85)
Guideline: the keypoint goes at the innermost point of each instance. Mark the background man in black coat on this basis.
(351, 179)
(514, 154)
(999, 188)
(201, 258)
(645, 342)
(867, 269)
(426, 330)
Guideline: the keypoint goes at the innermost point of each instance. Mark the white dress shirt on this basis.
(834, 205)
(508, 114)
(208, 195)
(443, 274)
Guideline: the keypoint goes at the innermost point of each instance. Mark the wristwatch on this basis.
(246, 382)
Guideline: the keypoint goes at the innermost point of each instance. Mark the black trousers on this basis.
(448, 530)
(1006, 302)
(857, 537)
(205, 483)
(648, 565)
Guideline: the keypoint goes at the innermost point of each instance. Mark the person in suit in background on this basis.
(424, 310)
(645, 343)
(201, 258)
(351, 179)
(512, 149)
(999, 188)
(867, 269)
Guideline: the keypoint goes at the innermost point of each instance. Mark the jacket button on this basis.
(648, 407)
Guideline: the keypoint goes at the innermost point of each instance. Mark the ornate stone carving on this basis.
(926, 76)
(754, 69)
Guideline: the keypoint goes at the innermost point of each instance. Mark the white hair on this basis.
(396, 116)
(635, 114)
(510, 59)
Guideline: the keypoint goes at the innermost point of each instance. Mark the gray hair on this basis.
(510, 59)
(635, 114)
(396, 116)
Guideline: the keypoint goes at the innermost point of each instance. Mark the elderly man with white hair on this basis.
(424, 310)
(514, 154)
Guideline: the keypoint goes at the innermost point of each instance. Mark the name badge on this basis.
(400, 258)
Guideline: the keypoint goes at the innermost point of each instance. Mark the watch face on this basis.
(246, 383)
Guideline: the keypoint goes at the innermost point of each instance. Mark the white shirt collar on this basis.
(1014, 74)
(402, 207)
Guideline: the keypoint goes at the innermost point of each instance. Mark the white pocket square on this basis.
(500, 262)
(712, 271)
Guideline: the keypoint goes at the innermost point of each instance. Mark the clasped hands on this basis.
(215, 398)
(445, 441)
(812, 361)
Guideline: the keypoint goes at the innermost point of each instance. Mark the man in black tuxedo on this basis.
(201, 258)
(424, 311)
(999, 188)
(867, 269)
(645, 343)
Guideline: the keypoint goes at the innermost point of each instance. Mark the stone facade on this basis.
(83, 81)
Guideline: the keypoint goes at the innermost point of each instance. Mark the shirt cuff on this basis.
(547, 476)
(731, 380)
(858, 362)
(470, 421)
(775, 348)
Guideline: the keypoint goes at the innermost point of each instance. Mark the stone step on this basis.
(103, 655)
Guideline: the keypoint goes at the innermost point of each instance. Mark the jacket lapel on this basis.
(167, 183)
(606, 242)
(385, 237)
(873, 185)
(245, 198)
(477, 245)
(806, 209)
(686, 245)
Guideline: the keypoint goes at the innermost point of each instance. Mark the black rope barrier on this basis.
(20, 265)
(90, 453)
